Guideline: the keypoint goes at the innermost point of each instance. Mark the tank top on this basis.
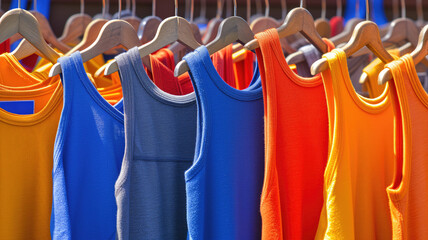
(26, 150)
(89, 148)
(407, 193)
(225, 181)
(244, 69)
(360, 161)
(372, 70)
(160, 144)
(296, 121)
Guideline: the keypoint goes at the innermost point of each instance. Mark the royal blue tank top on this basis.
(224, 183)
(88, 154)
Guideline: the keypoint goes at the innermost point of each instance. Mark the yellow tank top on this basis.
(372, 70)
(361, 159)
(26, 159)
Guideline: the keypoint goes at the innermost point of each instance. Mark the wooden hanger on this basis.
(322, 25)
(178, 49)
(266, 22)
(133, 19)
(340, 38)
(213, 24)
(47, 32)
(23, 22)
(418, 55)
(149, 25)
(114, 33)
(297, 20)
(92, 31)
(75, 25)
(232, 29)
(365, 34)
(401, 29)
(170, 30)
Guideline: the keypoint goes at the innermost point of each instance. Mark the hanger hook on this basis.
(154, 8)
(82, 7)
(234, 8)
(176, 7)
(35, 5)
(419, 10)
(339, 8)
(323, 9)
(248, 10)
(19, 3)
(302, 3)
(192, 8)
(134, 6)
(104, 9)
(283, 9)
(403, 9)
(267, 10)
(367, 10)
(120, 9)
(219, 8)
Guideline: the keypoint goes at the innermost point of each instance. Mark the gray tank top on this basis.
(160, 133)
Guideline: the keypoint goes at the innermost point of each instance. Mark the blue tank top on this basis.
(160, 144)
(88, 153)
(224, 183)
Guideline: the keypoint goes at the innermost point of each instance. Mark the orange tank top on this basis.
(26, 159)
(408, 193)
(243, 69)
(360, 161)
(296, 138)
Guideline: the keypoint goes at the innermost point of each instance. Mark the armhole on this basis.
(202, 130)
(68, 92)
(126, 79)
(402, 131)
(331, 88)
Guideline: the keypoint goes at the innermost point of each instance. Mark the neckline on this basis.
(22, 72)
(152, 89)
(246, 94)
(301, 81)
(370, 105)
(32, 119)
(414, 79)
(77, 61)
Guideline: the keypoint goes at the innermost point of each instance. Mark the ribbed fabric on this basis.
(360, 160)
(225, 181)
(26, 150)
(160, 144)
(88, 153)
(407, 192)
(296, 137)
